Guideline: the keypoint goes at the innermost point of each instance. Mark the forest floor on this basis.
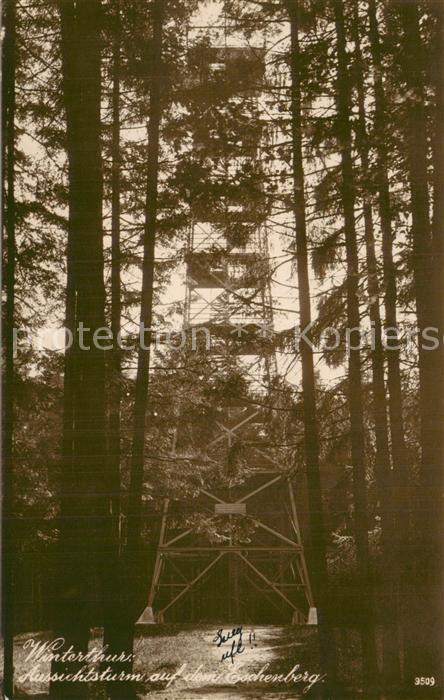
(269, 652)
(275, 663)
(189, 650)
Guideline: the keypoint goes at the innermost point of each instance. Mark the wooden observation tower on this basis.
(236, 546)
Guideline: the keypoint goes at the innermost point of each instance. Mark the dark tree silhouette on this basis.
(390, 574)
(355, 400)
(311, 435)
(425, 640)
(87, 545)
(121, 620)
(8, 160)
(146, 311)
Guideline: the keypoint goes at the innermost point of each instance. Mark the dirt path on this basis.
(271, 664)
(183, 662)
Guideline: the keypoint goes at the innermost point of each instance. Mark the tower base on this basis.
(312, 616)
(147, 617)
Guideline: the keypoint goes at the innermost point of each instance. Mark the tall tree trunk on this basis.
(116, 629)
(87, 542)
(116, 302)
(123, 638)
(426, 640)
(8, 127)
(355, 399)
(146, 312)
(311, 436)
(399, 451)
(438, 164)
(79, 633)
(390, 570)
(437, 60)
(395, 401)
(438, 296)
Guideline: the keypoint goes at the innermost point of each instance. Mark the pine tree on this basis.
(143, 364)
(311, 436)
(85, 523)
(382, 183)
(390, 570)
(355, 399)
(116, 291)
(120, 621)
(116, 632)
(425, 640)
(8, 160)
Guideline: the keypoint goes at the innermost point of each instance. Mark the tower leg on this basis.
(301, 563)
(147, 617)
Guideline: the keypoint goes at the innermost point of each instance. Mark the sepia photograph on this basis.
(222, 349)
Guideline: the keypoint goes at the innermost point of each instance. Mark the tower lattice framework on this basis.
(237, 545)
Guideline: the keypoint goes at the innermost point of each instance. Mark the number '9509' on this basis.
(428, 680)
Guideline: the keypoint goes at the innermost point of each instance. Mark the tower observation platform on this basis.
(233, 549)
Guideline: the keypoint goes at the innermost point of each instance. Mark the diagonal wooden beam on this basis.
(176, 568)
(191, 529)
(207, 304)
(211, 495)
(261, 591)
(232, 430)
(238, 425)
(208, 235)
(282, 571)
(274, 532)
(270, 459)
(192, 583)
(260, 488)
(178, 537)
(268, 582)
